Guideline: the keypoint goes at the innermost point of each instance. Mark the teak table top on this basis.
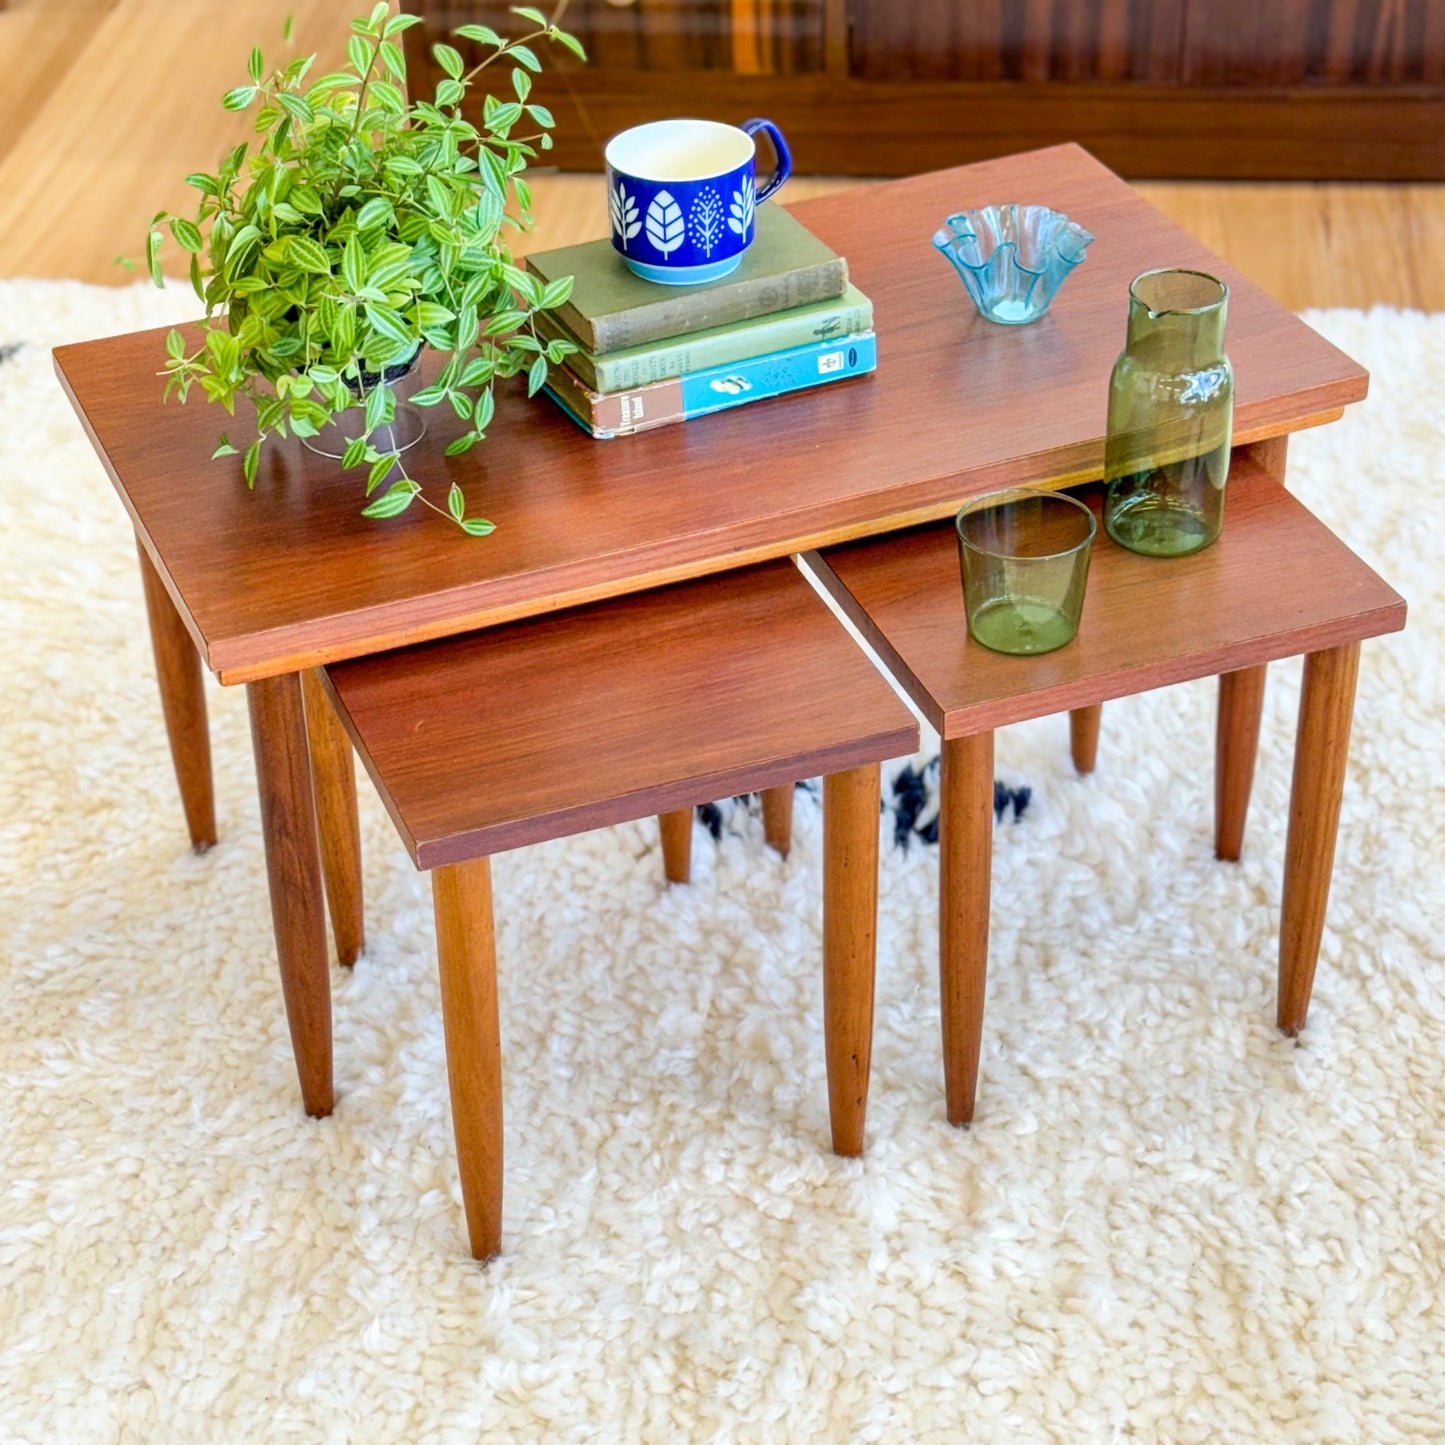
(291, 576)
(558, 724)
(1277, 583)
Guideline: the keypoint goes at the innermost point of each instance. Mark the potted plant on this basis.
(361, 228)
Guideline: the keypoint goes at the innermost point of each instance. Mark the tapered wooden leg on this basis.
(467, 957)
(333, 782)
(676, 844)
(778, 817)
(965, 841)
(288, 821)
(1084, 736)
(850, 937)
(1236, 741)
(183, 703)
(1326, 706)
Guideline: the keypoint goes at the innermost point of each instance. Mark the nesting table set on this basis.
(628, 642)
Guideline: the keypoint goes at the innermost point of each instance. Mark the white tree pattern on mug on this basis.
(707, 220)
(626, 223)
(740, 215)
(665, 226)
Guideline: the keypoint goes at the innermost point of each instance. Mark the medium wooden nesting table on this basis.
(265, 586)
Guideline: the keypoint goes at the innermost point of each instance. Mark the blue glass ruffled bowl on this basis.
(1012, 259)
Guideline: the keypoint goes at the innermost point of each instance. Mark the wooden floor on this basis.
(108, 104)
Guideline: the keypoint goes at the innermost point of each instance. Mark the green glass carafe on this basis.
(1171, 410)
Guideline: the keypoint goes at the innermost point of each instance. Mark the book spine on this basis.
(680, 398)
(787, 330)
(674, 315)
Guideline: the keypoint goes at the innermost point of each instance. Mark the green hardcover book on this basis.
(634, 366)
(610, 308)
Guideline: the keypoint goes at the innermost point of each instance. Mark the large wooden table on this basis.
(269, 584)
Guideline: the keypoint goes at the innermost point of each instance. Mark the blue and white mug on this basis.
(682, 194)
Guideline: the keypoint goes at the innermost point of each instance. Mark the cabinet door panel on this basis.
(1292, 42)
(753, 37)
(1078, 40)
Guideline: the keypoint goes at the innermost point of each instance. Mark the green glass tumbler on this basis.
(1171, 412)
(1024, 554)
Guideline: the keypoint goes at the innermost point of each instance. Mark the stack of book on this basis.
(650, 355)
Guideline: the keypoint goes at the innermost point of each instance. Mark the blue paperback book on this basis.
(620, 413)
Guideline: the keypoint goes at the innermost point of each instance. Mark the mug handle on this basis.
(780, 149)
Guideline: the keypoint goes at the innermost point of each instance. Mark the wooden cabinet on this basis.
(1345, 89)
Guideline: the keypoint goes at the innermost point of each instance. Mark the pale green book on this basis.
(848, 315)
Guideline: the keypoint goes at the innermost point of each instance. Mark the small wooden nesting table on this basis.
(558, 724)
(266, 586)
(1276, 584)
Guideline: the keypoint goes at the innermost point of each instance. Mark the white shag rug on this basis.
(1168, 1223)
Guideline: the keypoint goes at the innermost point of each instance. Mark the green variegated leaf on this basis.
(432, 313)
(450, 92)
(504, 117)
(554, 293)
(153, 257)
(541, 115)
(463, 443)
(482, 34)
(358, 52)
(379, 408)
(521, 83)
(449, 59)
(528, 286)
(380, 470)
(385, 278)
(250, 462)
(297, 107)
(536, 376)
(388, 97)
(394, 60)
(503, 321)
(456, 502)
(395, 500)
(354, 454)
(376, 212)
(478, 527)
(523, 55)
(353, 266)
(571, 42)
(478, 370)
(239, 98)
(336, 80)
(468, 326)
(306, 255)
(225, 350)
(439, 196)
